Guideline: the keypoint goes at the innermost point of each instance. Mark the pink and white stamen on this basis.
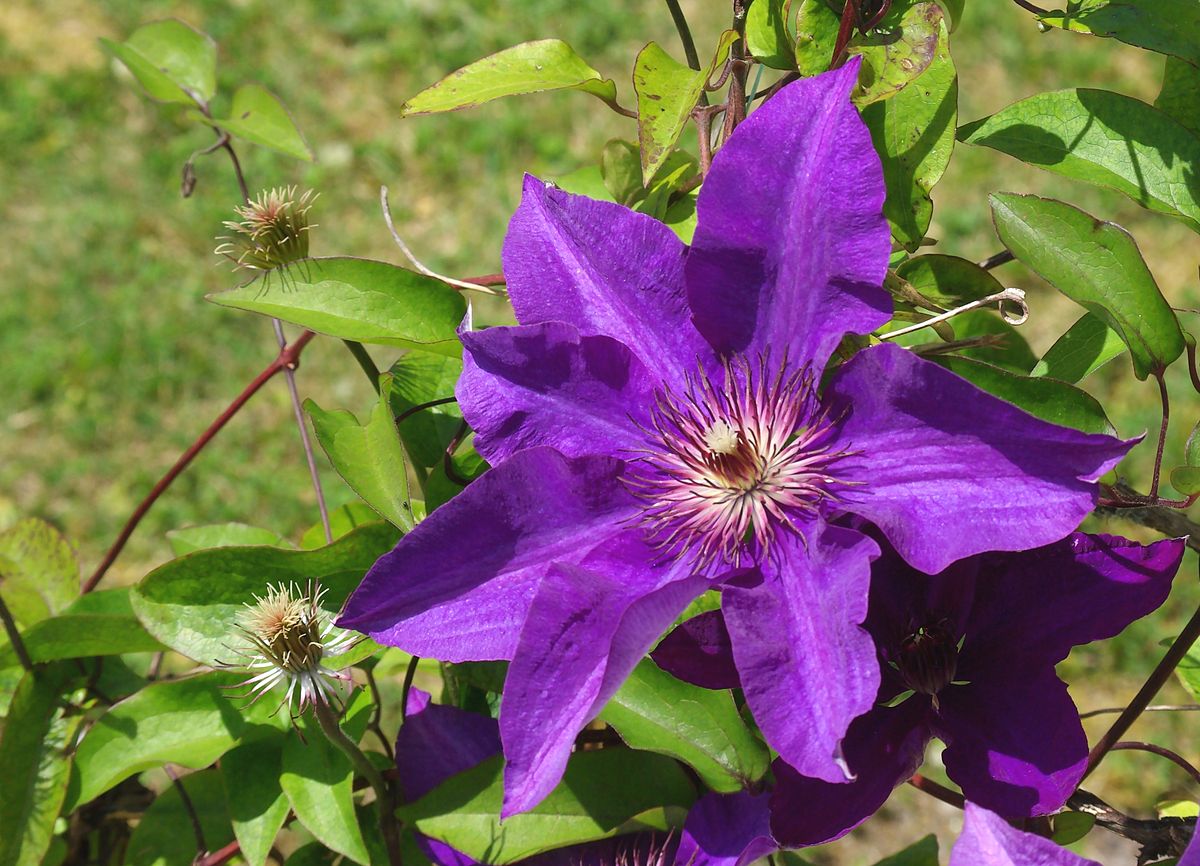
(730, 465)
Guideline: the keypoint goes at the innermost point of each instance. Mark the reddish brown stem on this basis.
(287, 359)
(487, 280)
(934, 789)
(221, 855)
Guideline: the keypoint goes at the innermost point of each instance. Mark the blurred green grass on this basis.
(112, 362)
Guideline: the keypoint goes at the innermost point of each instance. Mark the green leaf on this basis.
(602, 794)
(1102, 138)
(948, 281)
(192, 604)
(1096, 264)
(319, 782)
(1045, 398)
(39, 575)
(190, 722)
(531, 67)
(701, 727)
(1180, 93)
(913, 133)
(1165, 26)
(222, 535)
(316, 854)
(369, 457)
(34, 765)
(440, 488)
(767, 36)
(1087, 346)
(417, 379)
(165, 835)
(172, 61)
(620, 167)
(357, 299)
(1188, 670)
(257, 116)
(1186, 479)
(667, 91)
(256, 803)
(98, 624)
(923, 852)
(816, 36)
(342, 521)
(897, 51)
(1070, 827)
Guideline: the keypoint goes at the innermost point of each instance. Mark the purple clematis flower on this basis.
(656, 426)
(989, 840)
(968, 656)
(437, 742)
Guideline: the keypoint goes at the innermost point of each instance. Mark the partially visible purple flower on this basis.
(967, 656)
(437, 742)
(989, 840)
(656, 429)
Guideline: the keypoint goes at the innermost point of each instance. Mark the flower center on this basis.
(728, 465)
(928, 658)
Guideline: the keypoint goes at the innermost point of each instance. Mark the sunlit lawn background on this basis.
(112, 362)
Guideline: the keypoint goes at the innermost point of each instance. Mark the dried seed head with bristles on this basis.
(272, 232)
(289, 635)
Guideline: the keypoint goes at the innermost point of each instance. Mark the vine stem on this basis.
(1162, 431)
(1158, 677)
(288, 358)
(685, 34)
(221, 855)
(14, 637)
(936, 790)
(1173, 757)
(383, 793)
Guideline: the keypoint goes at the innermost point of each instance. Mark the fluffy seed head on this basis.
(272, 230)
(728, 466)
(288, 636)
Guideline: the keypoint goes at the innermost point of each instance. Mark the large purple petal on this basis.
(726, 830)
(589, 625)
(883, 748)
(792, 247)
(437, 742)
(546, 385)
(1013, 745)
(698, 651)
(606, 270)
(946, 470)
(1191, 855)
(989, 840)
(1088, 587)
(807, 667)
(458, 586)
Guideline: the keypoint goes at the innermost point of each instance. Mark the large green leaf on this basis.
(194, 538)
(256, 803)
(602, 794)
(1096, 264)
(342, 521)
(192, 604)
(190, 722)
(98, 624)
(39, 575)
(667, 91)
(172, 61)
(768, 39)
(165, 835)
(319, 782)
(357, 299)
(1105, 139)
(259, 117)
(701, 727)
(1180, 93)
(1087, 346)
(1165, 26)
(531, 67)
(913, 133)
(369, 457)
(1049, 399)
(897, 51)
(34, 765)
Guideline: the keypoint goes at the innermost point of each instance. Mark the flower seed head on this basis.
(288, 636)
(272, 232)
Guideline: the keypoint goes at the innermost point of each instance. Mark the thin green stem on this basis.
(383, 794)
(365, 361)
